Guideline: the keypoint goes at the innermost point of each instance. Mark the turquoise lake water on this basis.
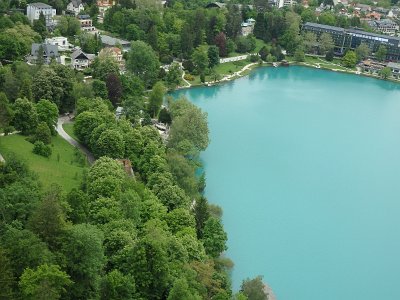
(306, 166)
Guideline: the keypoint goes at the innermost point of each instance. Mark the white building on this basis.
(59, 41)
(75, 6)
(33, 11)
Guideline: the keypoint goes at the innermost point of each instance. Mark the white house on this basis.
(59, 41)
(75, 6)
(33, 11)
(80, 60)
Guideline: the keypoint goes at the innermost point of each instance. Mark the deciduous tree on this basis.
(25, 116)
(214, 237)
(381, 53)
(47, 112)
(350, 59)
(254, 289)
(362, 51)
(143, 62)
(84, 258)
(46, 282)
(156, 99)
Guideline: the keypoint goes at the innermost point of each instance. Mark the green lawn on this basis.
(61, 167)
(231, 67)
(259, 45)
(69, 128)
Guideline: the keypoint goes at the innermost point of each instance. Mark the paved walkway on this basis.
(234, 75)
(2, 158)
(183, 78)
(69, 139)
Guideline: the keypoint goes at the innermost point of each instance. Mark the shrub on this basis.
(254, 58)
(43, 133)
(189, 77)
(40, 148)
(264, 51)
(329, 55)
(166, 59)
(8, 129)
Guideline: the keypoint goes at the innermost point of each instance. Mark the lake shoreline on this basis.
(247, 69)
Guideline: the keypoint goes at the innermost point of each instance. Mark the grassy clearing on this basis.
(62, 167)
(69, 128)
(230, 67)
(314, 61)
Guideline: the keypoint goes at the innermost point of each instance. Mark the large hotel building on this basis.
(352, 38)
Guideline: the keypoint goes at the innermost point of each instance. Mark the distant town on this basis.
(77, 33)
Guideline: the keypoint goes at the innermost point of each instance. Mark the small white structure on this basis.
(59, 41)
(75, 7)
(33, 11)
(80, 60)
(119, 112)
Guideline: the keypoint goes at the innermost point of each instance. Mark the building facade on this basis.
(33, 11)
(385, 26)
(86, 23)
(75, 7)
(351, 38)
(115, 53)
(80, 60)
(48, 52)
(59, 41)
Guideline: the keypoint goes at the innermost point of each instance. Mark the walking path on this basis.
(236, 74)
(69, 139)
(2, 159)
(183, 78)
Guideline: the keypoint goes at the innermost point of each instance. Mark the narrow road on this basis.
(69, 139)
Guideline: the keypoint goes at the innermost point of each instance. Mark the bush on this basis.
(271, 58)
(166, 59)
(202, 77)
(189, 77)
(40, 148)
(245, 44)
(264, 51)
(254, 58)
(329, 56)
(8, 129)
